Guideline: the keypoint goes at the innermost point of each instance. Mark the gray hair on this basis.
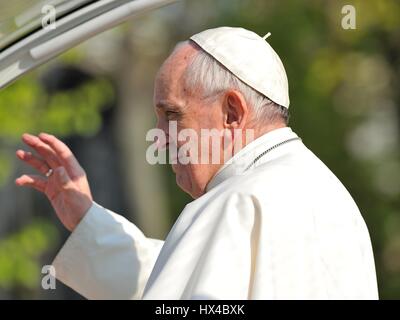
(212, 78)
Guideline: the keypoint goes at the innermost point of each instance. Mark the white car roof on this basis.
(19, 18)
(26, 44)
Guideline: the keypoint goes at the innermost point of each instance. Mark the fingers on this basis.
(54, 152)
(42, 149)
(56, 183)
(63, 153)
(33, 161)
(59, 181)
(33, 181)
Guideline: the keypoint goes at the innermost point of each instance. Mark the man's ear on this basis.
(236, 110)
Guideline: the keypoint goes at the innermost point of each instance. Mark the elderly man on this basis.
(271, 222)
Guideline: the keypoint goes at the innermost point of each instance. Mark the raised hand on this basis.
(66, 185)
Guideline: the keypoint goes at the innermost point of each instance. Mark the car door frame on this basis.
(72, 29)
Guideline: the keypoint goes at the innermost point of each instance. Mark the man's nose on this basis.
(162, 125)
(162, 140)
(162, 143)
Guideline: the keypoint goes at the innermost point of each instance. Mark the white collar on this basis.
(241, 160)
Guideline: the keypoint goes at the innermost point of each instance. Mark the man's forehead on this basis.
(183, 53)
(168, 78)
(177, 61)
(171, 95)
(169, 83)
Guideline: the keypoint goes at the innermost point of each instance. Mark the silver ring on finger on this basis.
(49, 173)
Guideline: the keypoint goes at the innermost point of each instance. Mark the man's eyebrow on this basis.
(167, 105)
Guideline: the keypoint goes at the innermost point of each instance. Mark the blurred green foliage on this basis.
(25, 107)
(20, 255)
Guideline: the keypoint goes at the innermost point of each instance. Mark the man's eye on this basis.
(171, 114)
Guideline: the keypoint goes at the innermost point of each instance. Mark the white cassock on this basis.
(287, 229)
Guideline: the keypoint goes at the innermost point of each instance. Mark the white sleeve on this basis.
(106, 257)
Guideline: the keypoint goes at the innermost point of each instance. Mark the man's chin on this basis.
(186, 186)
(182, 183)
